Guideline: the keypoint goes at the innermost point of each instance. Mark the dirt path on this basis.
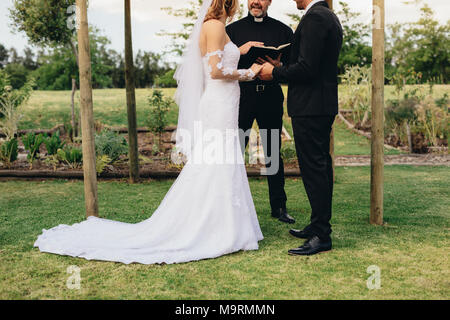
(406, 159)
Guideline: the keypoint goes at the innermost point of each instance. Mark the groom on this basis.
(263, 100)
(313, 105)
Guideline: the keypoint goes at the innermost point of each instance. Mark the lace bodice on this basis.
(219, 107)
(222, 65)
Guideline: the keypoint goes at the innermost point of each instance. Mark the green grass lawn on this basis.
(412, 250)
(48, 108)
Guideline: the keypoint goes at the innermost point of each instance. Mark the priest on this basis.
(263, 100)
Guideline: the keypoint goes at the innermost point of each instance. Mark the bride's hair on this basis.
(219, 8)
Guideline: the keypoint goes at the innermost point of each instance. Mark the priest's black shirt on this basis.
(269, 31)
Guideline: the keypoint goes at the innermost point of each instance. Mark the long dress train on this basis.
(208, 211)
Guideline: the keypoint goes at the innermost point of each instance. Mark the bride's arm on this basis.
(215, 39)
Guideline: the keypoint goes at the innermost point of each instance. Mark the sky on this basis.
(149, 19)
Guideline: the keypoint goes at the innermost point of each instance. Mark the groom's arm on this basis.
(313, 36)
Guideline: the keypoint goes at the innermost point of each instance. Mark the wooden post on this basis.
(87, 113)
(131, 98)
(330, 4)
(74, 129)
(377, 146)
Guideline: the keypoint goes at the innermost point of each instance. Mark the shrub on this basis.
(159, 108)
(432, 120)
(32, 143)
(73, 156)
(10, 116)
(443, 102)
(53, 143)
(401, 116)
(166, 80)
(16, 97)
(10, 101)
(9, 151)
(101, 163)
(52, 160)
(110, 144)
(357, 81)
(419, 114)
(288, 151)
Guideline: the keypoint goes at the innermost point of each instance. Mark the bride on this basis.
(208, 211)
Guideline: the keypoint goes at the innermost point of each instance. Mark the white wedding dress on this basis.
(208, 211)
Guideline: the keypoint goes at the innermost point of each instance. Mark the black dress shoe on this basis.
(282, 215)
(311, 246)
(302, 234)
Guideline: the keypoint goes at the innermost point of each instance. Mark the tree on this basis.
(28, 60)
(58, 66)
(355, 48)
(14, 57)
(148, 67)
(87, 114)
(189, 14)
(47, 24)
(18, 75)
(4, 55)
(377, 125)
(44, 22)
(131, 97)
(422, 46)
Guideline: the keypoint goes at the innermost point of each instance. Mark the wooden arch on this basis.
(87, 117)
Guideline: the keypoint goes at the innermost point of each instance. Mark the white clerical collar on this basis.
(257, 19)
(311, 4)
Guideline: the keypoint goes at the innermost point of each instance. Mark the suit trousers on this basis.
(266, 107)
(312, 143)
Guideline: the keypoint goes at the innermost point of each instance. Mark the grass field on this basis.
(48, 108)
(412, 250)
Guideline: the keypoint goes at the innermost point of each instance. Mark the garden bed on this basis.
(154, 159)
(419, 143)
(158, 165)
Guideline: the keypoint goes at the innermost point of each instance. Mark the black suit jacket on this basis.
(312, 70)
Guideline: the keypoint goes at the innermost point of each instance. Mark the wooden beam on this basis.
(131, 98)
(377, 145)
(87, 113)
(330, 4)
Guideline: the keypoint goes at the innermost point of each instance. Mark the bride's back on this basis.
(213, 36)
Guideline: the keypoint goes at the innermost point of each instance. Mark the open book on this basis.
(273, 52)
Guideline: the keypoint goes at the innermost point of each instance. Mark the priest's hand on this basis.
(266, 72)
(276, 63)
(244, 49)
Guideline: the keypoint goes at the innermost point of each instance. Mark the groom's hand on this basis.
(275, 62)
(244, 49)
(266, 72)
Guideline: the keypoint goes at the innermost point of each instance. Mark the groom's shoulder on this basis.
(319, 14)
(320, 11)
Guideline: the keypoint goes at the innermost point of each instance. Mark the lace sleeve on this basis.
(218, 71)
